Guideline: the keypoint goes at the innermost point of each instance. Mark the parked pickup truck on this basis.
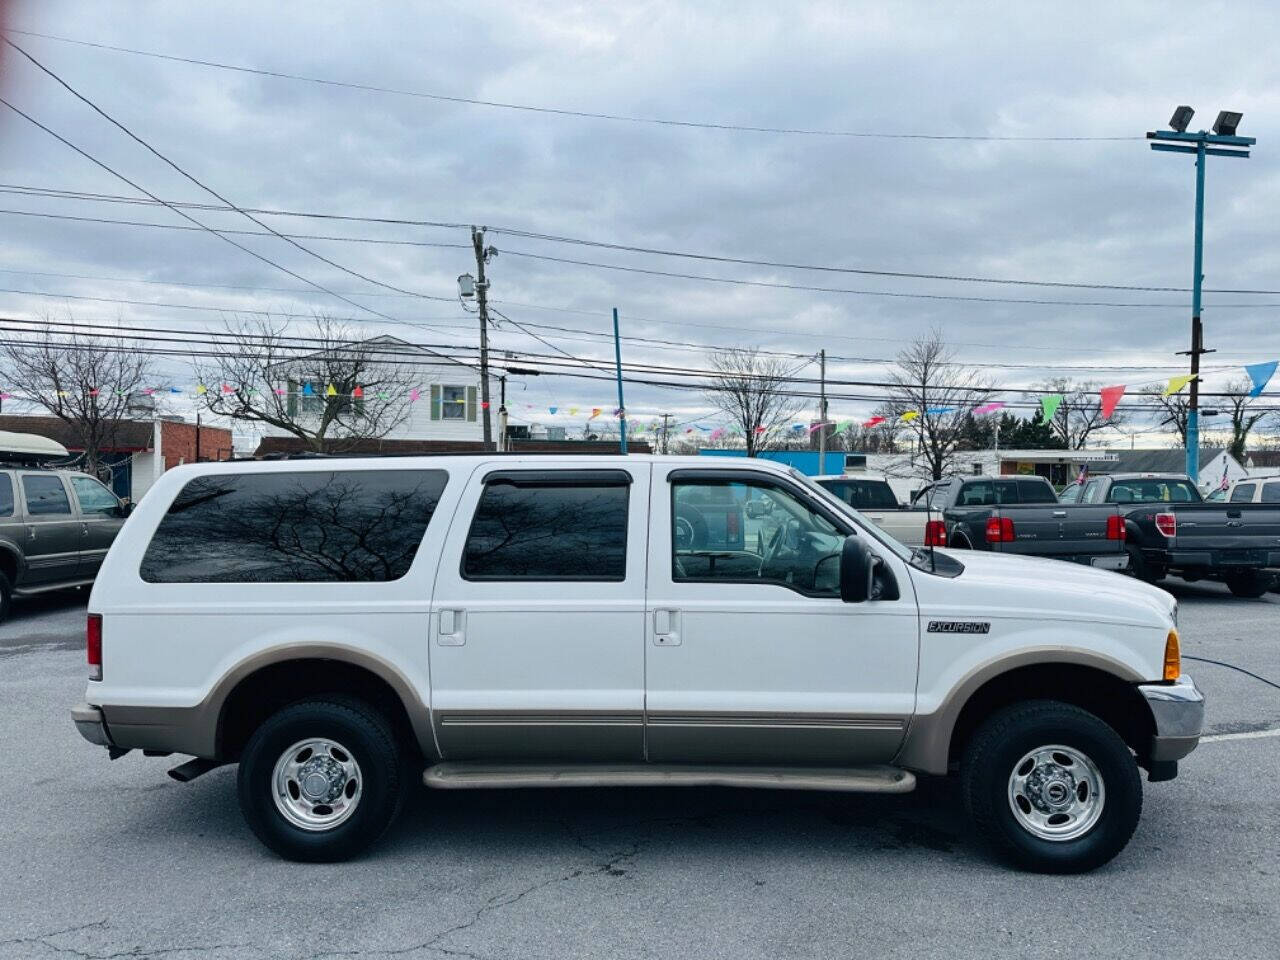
(1171, 529)
(334, 626)
(872, 497)
(1022, 515)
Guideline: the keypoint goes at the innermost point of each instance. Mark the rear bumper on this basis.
(91, 724)
(1218, 558)
(1178, 711)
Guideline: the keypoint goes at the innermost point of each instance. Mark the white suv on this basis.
(334, 625)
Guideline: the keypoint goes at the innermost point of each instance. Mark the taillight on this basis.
(935, 534)
(1167, 524)
(1172, 657)
(93, 645)
(1115, 527)
(1000, 530)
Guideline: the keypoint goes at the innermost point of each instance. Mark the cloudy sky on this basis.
(1104, 210)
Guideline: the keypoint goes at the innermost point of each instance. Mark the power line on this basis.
(23, 190)
(565, 112)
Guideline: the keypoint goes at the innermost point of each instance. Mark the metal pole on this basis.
(1193, 412)
(482, 302)
(822, 412)
(502, 413)
(622, 409)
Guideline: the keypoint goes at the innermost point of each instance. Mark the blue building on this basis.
(806, 461)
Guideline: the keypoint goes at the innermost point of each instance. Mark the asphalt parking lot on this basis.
(101, 859)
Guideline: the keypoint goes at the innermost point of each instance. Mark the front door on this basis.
(537, 639)
(101, 517)
(752, 656)
(53, 531)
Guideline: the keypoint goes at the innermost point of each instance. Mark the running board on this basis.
(482, 776)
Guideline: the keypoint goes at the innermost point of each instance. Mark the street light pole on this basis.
(1223, 142)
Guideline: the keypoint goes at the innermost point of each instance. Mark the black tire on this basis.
(997, 747)
(1249, 583)
(1141, 569)
(6, 597)
(365, 735)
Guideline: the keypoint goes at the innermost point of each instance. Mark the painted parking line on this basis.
(1247, 735)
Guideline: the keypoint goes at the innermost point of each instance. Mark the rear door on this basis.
(537, 640)
(53, 531)
(101, 517)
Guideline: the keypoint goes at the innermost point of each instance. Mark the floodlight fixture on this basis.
(1225, 125)
(1181, 118)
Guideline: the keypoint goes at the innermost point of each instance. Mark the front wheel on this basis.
(320, 780)
(1249, 583)
(1051, 787)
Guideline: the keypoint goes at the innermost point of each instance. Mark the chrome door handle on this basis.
(1059, 513)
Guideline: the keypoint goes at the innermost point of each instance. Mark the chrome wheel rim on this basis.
(1056, 793)
(316, 784)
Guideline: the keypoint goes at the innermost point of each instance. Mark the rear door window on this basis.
(1270, 492)
(863, 494)
(45, 495)
(550, 525)
(1243, 492)
(6, 495)
(313, 527)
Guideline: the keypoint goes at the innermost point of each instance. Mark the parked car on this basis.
(55, 529)
(1171, 530)
(872, 497)
(1022, 515)
(483, 621)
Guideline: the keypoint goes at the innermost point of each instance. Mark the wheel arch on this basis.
(1104, 687)
(10, 563)
(261, 685)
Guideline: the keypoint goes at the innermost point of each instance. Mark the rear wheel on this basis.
(1249, 583)
(1141, 568)
(320, 780)
(6, 597)
(1051, 787)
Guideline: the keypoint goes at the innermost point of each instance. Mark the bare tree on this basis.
(1171, 411)
(88, 382)
(1080, 414)
(937, 394)
(1236, 403)
(751, 389)
(264, 377)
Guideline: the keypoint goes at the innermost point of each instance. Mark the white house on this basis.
(442, 400)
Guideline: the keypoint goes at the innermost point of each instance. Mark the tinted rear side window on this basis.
(344, 526)
(863, 494)
(6, 495)
(1270, 493)
(548, 531)
(46, 496)
(1243, 493)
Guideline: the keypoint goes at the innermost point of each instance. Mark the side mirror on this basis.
(863, 575)
(755, 509)
(125, 508)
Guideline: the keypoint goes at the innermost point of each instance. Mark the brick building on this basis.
(140, 450)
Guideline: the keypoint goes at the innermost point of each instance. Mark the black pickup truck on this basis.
(1171, 529)
(1022, 515)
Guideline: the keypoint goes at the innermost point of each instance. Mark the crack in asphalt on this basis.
(137, 952)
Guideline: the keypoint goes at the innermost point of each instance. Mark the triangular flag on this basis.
(93, 392)
(330, 391)
(573, 411)
(910, 415)
(307, 391)
(1110, 397)
(175, 389)
(280, 391)
(484, 404)
(149, 391)
(358, 392)
(226, 388)
(201, 389)
(552, 409)
(64, 393)
(760, 429)
(595, 412)
(988, 408)
(1177, 383)
(874, 422)
(1260, 373)
(1049, 405)
(414, 394)
(382, 395)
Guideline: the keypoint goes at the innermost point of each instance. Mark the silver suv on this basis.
(55, 528)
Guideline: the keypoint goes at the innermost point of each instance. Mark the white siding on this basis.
(144, 465)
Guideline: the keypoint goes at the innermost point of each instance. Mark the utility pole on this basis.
(666, 432)
(1223, 142)
(482, 302)
(822, 412)
(622, 407)
(502, 413)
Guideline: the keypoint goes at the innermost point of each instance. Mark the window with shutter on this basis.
(435, 401)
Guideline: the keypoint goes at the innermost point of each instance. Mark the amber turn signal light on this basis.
(1172, 657)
